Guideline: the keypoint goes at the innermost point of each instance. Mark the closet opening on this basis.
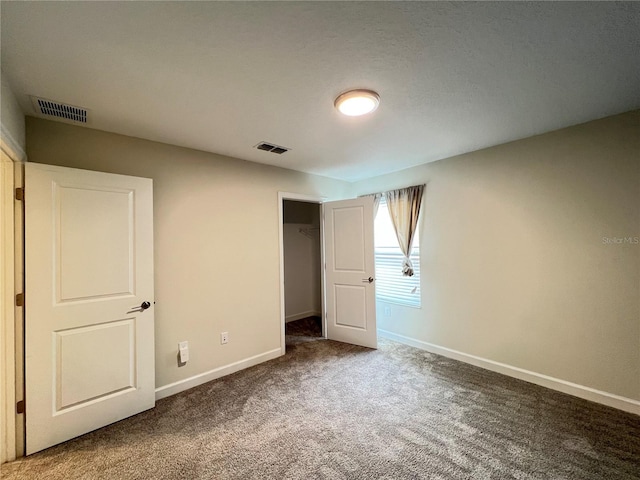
(302, 271)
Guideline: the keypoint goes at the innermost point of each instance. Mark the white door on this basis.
(350, 270)
(89, 267)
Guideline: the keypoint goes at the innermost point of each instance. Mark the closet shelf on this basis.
(307, 231)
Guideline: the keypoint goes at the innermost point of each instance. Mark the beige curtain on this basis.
(376, 203)
(404, 209)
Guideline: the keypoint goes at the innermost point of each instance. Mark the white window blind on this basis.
(391, 285)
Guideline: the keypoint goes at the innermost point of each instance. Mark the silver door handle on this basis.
(368, 280)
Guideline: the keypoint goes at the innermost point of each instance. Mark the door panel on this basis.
(348, 239)
(81, 373)
(350, 263)
(89, 264)
(81, 247)
(351, 306)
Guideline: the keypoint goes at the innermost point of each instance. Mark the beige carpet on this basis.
(328, 410)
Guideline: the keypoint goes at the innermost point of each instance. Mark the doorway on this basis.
(302, 258)
(347, 268)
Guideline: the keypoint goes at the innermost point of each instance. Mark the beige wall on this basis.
(11, 120)
(514, 266)
(216, 239)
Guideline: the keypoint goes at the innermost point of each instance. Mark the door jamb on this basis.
(282, 196)
(11, 428)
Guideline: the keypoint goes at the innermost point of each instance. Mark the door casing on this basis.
(7, 316)
(282, 196)
(11, 316)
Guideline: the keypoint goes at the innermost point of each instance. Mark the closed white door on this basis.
(89, 348)
(350, 269)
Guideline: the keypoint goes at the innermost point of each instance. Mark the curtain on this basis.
(404, 209)
(376, 203)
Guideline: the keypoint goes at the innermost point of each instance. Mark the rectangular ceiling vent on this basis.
(62, 111)
(270, 147)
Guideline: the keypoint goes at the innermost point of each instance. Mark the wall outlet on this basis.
(224, 338)
(387, 311)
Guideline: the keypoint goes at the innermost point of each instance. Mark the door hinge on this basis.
(20, 300)
(19, 193)
(20, 406)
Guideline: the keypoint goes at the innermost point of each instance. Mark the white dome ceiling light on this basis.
(357, 102)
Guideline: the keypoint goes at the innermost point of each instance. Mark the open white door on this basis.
(89, 301)
(350, 270)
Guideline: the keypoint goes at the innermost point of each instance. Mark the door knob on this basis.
(141, 308)
(368, 280)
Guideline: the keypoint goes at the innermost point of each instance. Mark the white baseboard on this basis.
(587, 393)
(187, 383)
(299, 316)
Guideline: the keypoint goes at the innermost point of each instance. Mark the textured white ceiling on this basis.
(221, 77)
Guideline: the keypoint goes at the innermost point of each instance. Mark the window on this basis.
(391, 285)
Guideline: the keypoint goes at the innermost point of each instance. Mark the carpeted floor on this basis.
(328, 410)
(306, 330)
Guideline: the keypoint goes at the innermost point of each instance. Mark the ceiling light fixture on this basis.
(357, 102)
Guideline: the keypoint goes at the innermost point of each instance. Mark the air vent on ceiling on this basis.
(62, 111)
(270, 147)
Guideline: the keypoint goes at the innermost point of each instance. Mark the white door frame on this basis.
(282, 196)
(10, 254)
